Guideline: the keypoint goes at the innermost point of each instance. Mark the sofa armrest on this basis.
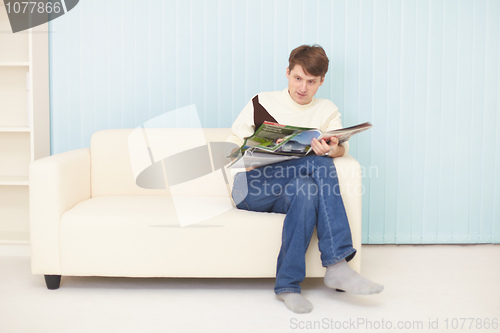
(351, 189)
(57, 183)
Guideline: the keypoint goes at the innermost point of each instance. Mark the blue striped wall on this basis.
(425, 72)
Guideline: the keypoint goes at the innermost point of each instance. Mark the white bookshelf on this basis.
(24, 129)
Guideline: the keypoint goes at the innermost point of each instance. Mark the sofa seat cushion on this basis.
(140, 236)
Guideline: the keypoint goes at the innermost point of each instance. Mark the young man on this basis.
(304, 189)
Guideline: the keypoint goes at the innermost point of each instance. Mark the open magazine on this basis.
(273, 143)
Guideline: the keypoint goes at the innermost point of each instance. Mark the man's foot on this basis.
(296, 302)
(341, 276)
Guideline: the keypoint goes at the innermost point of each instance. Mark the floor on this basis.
(446, 288)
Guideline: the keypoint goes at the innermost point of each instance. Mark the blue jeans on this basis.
(307, 191)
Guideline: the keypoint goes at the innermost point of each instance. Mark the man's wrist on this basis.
(338, 152)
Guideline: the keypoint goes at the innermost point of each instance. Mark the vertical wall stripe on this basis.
(426, 73)
(393, 113)
(419, 119)
(496, 165)
(477, 119)
(490, 97)
(406, 123)
(464, 107)
(374, 220)
(433, 111)
(337, 54)
(365, 96)
(225, 64)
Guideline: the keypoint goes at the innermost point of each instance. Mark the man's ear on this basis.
(287, 72)
(322, 80)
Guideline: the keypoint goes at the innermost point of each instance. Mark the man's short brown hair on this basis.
(313, 59)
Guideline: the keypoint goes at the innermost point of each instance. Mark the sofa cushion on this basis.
(139, 236)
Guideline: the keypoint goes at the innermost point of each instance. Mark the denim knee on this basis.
(303, 189)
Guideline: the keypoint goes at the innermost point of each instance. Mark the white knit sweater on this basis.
(320, 113)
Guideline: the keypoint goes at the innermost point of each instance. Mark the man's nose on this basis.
(303, 86)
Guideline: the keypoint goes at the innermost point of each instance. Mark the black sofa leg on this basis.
(53, 281)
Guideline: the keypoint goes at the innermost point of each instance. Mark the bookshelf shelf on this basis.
(14, 129)
(14, 181)
(14, 64)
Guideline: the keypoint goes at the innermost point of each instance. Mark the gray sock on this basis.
(341, 276)
(296, 302)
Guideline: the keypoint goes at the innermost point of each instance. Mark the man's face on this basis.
(301, 86)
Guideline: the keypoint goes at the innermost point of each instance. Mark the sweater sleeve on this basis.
(243, 126)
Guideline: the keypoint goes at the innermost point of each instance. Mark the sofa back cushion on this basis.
(158, 162)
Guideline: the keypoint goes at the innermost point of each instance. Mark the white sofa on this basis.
(88, 216)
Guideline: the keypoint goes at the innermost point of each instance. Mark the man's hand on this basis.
(332, 149)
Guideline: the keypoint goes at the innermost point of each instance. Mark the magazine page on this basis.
(271, 136)
(345, 134)
(253, 159)
(299, 144)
